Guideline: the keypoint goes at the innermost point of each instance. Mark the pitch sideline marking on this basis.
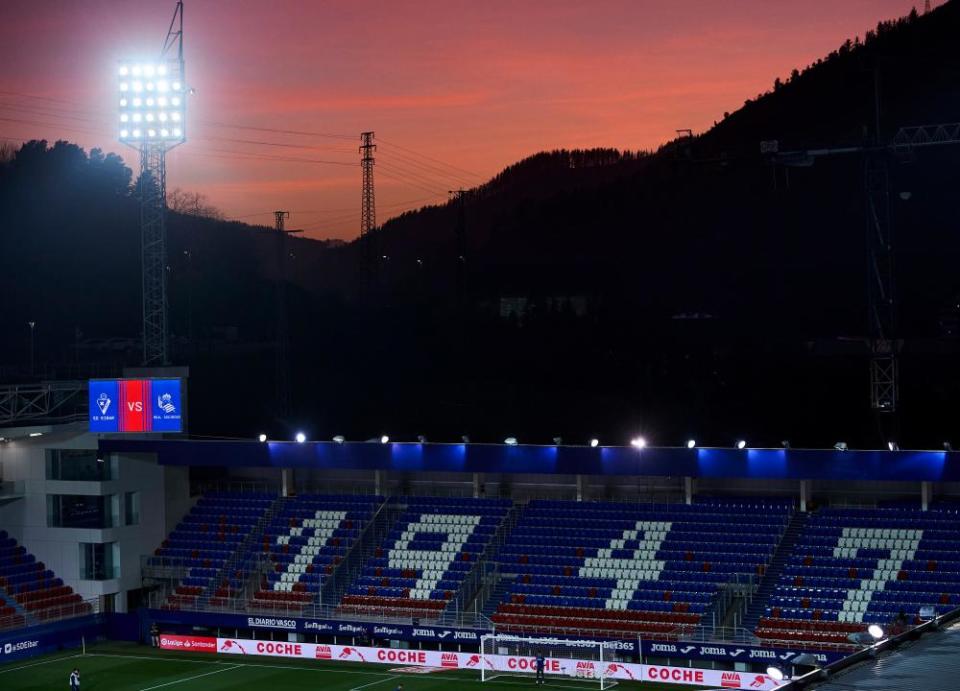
(372, 683)
(37, 664)
(302, 668)
(195, 676)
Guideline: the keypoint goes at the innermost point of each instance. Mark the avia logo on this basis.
(450, 660)
(730, 680)
(323, 652)
(165, 403)
(103, 403)
(232, 645)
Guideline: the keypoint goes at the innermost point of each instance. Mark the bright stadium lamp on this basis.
(558, 441)
(775, 673)
(262, 437)
(338, 439)
(594, 443)
(301, 437)
(510, 441)
(742, 444)
(384, 439)
(638, 442)
(875, 631)
(841, 446)
(691, 443)
(893, 446)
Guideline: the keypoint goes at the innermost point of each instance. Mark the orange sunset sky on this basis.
(455, 90)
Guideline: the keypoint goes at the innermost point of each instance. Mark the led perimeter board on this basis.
(136, 405)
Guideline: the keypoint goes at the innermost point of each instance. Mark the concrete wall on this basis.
(164, 498)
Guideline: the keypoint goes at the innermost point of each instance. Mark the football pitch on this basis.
(129, 667)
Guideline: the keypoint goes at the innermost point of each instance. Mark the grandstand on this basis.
(725, 578)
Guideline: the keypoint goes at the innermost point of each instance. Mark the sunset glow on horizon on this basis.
(454, 90)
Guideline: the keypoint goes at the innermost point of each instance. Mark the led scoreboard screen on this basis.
(136, 405)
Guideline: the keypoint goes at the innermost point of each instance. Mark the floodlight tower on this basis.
(152, 104)
(370, 255)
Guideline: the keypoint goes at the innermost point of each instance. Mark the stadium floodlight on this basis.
(262, 438)
(99, 458)
(145, 80)
(893, 446)
(785, 444)
(422, 438)
(558, 441)
(338, 439)
(35, 434)
(384, 439)
(875, 631)
(691, 443)
(510, 441)
(594, 443)
(301, 437)
(742, 444)
(638, 442)
(775, 673)
(841, 446)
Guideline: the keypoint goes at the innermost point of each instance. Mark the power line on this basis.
(429, 158)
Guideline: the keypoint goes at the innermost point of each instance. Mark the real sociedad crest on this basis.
(165, 403)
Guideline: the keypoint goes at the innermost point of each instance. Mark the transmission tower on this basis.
(368, 205)
(152, 113)
(368, 215)
(281, 364)
(461, 246)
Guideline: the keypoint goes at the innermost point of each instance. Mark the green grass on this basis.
(129, 667)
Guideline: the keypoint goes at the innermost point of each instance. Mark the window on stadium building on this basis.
(99, 561)
(131, 501)
(80, 465)
(83, 511)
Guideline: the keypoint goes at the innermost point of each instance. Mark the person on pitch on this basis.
(75, 680)
(539, 664)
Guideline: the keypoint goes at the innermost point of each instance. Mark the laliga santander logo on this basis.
(347, 652)
(450, 661)
(230, 645)
(323, 652)
(474, 660)
(613, 668)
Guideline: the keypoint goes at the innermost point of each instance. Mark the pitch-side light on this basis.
(638, 442)
(510, 441)
(301, 437)
(875, 631)
(338, 439)
(594, 443)
(742, 444)
(262, 438)
(691, 443)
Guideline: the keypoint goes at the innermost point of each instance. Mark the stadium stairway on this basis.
(427, 558)
(582, 568)
(206, 541)
(305, 542)
(229, 582)
(772, 575)
(470, 607)
(855, 567)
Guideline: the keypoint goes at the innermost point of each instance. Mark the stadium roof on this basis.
(930, 664)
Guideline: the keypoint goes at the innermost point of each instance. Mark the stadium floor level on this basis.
(130, 667)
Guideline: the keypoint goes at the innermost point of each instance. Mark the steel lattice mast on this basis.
(152, 115)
